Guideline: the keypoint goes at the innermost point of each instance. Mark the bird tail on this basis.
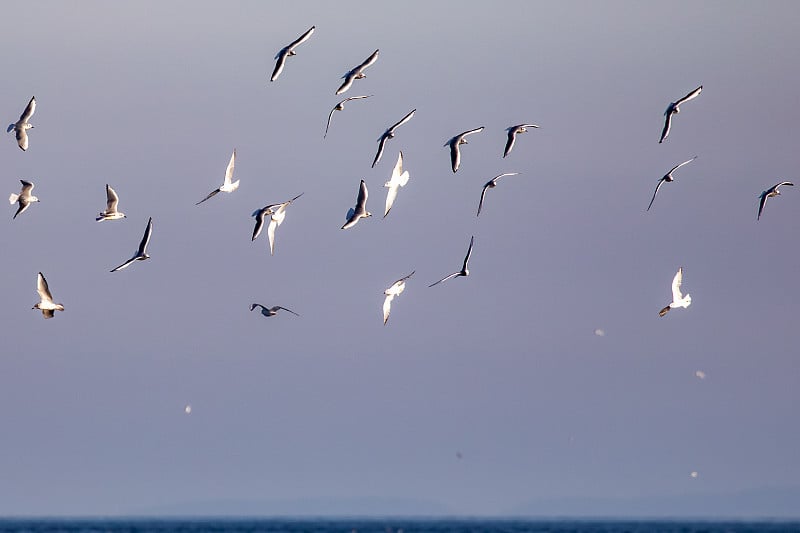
(13, 198)
(404, 178)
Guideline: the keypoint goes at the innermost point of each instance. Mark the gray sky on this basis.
(502, 366)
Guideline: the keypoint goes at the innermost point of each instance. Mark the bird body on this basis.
(357, 73)
(21, 127)
(455, 151)
(24, 198)
(111, 212)
(360, 210)
(678, 299)
(227, 184)
(288, 51)
(46, 304)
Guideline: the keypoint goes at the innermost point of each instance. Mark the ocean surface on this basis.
(388, 525)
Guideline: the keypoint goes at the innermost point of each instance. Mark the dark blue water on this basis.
(390, 526)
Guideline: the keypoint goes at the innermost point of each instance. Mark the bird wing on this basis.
(689, 96)
(761, 204)
(22, 138)
(369, 61)
(470, 132)
(330, 116)
(676, 286)
(361, 201)
(402, 120)
(483, 194)
(29, 110)
(348, 81)
(303, 38)
(455, 155)
(23, 205)
(281, 61)
(125, 264)
(229, 170)
(454, 274)
(387, 306)
(781, 184)
(469, 254)
(111, 200)
(271, 234)
(381, 143)
(660, 183)
(275, 309)
(146, 237)
(212, 193)
(259, 215)
(27, 187)
(667, 125)
(512, 136)
(391, 194)
(676, 167)
(43, 289)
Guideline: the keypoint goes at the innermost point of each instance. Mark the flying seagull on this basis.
(673, 109)
(24, 198)
(287, 51)
(111, 212)
(276, 212)
(141, 253)
(464, 270)
(340, 107)
(46, 304)
(271, 311)
(389, 134)
(227, 185)
(399, 179)
(360, 210)
(772, 191)
(395, 290)
(455, 152)
(22, 126)
(512, 135)
(357, 73)
(491, 184)
(678, 300)
(667, 178)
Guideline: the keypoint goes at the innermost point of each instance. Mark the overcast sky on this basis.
(502, 367)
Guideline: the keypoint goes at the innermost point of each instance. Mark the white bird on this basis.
(399, 179)
(455, 152)
(24, 198)
(227, 184)
(772, 191)
(673, 109)
(360, 210)
(340, 107)
(46, 304)
(491, 184)
(678, 299)
(141, 253)
(277, 213)
(111, 212)
(271, 311)
(667, 178)
(287, 51)
(512, 135)
(357, 73)
(22, 126)
(389, 134)
(464, 270)
(396, 289)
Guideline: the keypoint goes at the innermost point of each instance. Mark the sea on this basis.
(389, 525)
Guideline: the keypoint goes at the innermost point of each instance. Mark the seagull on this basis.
(395, 290)
(673, 109)
(464, 270)
(360, 211)
(455, 153)
(399, 179)
(772, 191)
(512, 135)
(111, 212)
(271, 311)
(227, 185)
(24, 198)
(491, 184)
(46, 304)
(141, 253)
(389, 134)
(277, 213)
(287, 51)
(22, 126)
(357, 73)
(667, 177)
(340, 107)
(678, 300)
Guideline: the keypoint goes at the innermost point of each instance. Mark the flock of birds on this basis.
(274, 214)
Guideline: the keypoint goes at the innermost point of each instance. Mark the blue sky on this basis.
(503, 366)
